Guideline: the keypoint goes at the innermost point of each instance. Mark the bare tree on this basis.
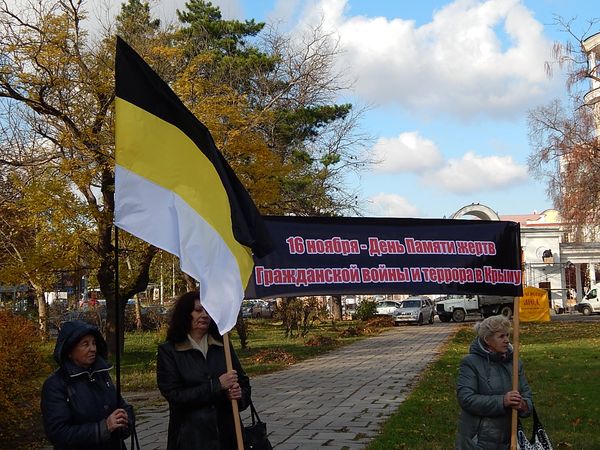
(329, 144)
(564, 138)
(566, 153)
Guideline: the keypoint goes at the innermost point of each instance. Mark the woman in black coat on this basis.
(79, 401)
(192, 376)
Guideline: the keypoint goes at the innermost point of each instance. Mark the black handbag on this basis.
(135, 443)
(539, 439)
(255, 435)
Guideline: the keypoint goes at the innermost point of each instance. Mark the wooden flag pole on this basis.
(234, 403)
(117, 320)
(515, 372)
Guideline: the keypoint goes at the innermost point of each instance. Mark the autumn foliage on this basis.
(22, 367)
(268, 101)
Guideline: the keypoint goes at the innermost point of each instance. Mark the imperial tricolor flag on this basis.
(174, 189)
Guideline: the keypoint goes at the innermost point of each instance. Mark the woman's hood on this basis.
(70, 334)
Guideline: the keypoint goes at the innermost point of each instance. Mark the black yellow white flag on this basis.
(174, 189)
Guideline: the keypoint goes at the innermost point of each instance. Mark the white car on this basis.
(387, 307)
(418, 309)
(590, 303)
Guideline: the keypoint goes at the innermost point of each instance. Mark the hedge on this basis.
(22, 369)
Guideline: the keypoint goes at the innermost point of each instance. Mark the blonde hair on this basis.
(493, 324)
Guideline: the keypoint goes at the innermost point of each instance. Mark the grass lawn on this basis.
(562, 364)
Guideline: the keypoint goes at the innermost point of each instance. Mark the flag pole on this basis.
(515, 373)
(234, 403)
(117, 320)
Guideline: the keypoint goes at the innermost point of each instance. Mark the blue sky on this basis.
(449, 85)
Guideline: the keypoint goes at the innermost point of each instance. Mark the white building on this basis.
(550, 261)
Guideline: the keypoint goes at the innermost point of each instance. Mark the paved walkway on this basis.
(338, 400)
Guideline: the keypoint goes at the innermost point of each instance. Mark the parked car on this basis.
(256, 308)
(387, 307)
(590, 303)
(262, 309)
(418, 309)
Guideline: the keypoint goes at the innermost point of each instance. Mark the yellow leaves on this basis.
(234, 127)
(43, 230)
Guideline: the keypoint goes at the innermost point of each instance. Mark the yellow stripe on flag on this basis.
(161, 153)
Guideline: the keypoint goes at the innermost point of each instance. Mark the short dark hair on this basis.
(181, 318)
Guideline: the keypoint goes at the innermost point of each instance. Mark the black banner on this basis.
(354, 255)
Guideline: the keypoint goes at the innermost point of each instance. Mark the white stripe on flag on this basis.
(162, 218)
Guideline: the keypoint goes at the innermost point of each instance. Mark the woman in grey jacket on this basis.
(484, 389)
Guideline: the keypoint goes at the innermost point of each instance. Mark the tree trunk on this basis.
(110, 330)
(336, 307)
(138, 314)
(242, 331)
(190, 283)
(42, 312)
(106, 280)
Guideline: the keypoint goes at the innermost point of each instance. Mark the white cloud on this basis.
(104, 12)
(283, 11)
(230, 9)
(392, 205)
(409, 152)
(473, 173)
(457, 63)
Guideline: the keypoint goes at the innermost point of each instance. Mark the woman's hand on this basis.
(523, 407)
(228, 379)
(117, 419)
(234, 392)
(513, 399)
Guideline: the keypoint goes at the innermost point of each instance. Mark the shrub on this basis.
(366, 310)
(320, 341)
(298, 314)
(152, 318)
(380, 322)
(274, 355)
(22, 367)
(241, 327)
(352, 331)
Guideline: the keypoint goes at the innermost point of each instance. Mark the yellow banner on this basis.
(534, 306)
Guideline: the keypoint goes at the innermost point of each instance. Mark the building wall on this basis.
(540, 270)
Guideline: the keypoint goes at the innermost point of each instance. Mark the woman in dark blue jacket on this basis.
(79, 401)
(192, 376)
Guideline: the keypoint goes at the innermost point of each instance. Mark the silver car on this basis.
(418, 309)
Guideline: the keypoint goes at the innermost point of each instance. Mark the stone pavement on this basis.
(338, 400)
